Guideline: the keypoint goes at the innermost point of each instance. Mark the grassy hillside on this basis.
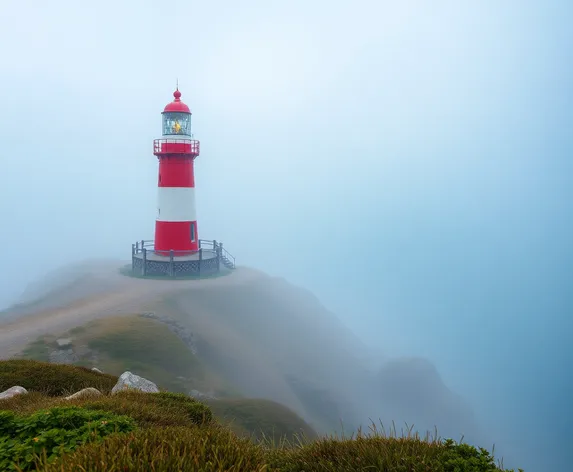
(148, 348)
(167, 431)
(257, 337)
(246, 417)
(138, 344)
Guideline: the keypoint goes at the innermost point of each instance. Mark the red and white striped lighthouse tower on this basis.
(177, 249)
(176, 150)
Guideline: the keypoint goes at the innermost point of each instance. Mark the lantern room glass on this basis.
(176, 123)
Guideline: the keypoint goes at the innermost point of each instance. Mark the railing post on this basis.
(200, 260)
(132, 258)
(171, 268)
(137, 247)
(142, 244)
(218, 253)
(144, 261)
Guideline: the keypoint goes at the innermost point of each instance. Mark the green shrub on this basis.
(51, 379)
(51, 433)
(29, 403)
(165, 450)
(463, 457)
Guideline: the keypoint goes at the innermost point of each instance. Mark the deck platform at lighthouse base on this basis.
(194, 256)
(210, 259)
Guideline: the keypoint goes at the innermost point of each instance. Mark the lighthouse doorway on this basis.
(193, 233)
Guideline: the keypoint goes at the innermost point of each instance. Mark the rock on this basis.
(127, 380)
(64, 343)
(95, 369)
(61, 356)
(85, 393)
(12, 392)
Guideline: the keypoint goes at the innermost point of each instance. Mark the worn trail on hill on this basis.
(128, 295)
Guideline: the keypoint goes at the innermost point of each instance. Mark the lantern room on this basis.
(176, 117)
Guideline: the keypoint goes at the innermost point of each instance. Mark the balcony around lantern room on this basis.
(176, 146)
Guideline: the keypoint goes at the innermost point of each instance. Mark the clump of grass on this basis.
(260, 419)
(32, 401)
(147, 409)
(51, 379)
(377, 451)
(155, 409)
(167, 449)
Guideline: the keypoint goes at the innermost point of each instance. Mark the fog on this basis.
(409, 162)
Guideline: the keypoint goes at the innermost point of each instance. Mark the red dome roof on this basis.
(177, 105)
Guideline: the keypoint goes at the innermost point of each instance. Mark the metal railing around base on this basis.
(203, 261)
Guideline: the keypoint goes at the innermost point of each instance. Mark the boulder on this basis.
(128, 381)
(12, 392)
(63, 356)
(95, 369)
(85, 393)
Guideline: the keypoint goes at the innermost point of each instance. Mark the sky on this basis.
(409, 162)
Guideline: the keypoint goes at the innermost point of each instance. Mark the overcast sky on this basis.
(408, 161)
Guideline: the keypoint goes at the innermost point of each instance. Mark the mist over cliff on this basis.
(407, 162)
(268, 339)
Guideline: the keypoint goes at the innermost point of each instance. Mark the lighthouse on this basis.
(176, 150)
(177, 250)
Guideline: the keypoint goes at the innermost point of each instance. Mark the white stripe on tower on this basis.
(176, 204)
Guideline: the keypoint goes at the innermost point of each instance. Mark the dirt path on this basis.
(129, 296)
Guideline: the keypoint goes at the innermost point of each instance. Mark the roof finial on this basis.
(177, 93)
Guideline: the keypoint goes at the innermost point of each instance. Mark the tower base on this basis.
(210, 259)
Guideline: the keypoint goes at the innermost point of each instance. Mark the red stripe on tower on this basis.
(176, 222)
